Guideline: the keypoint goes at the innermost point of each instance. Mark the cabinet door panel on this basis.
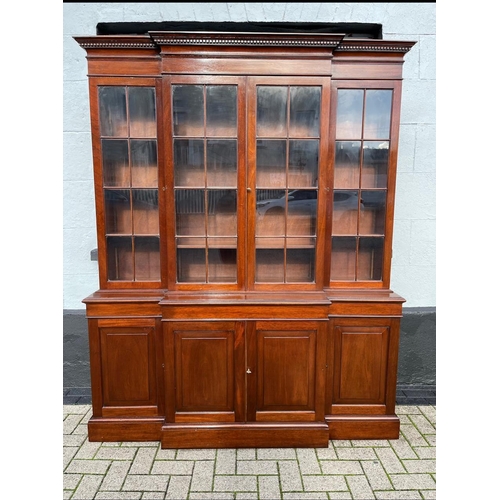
(128, 366)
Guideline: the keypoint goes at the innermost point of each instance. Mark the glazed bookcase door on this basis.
(127, 194)
(287, 132)
(365, 152)
(206, 195)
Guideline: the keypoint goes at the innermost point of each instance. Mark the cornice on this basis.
(116, 42)
(370, 45)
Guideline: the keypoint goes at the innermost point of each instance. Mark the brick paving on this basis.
(347, 470)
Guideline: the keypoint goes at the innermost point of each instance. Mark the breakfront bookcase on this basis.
(244, 189)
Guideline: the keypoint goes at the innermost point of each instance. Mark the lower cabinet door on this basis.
(362, 366)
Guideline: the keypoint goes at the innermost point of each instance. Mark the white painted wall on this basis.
(414, 247)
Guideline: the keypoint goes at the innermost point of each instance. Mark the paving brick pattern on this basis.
(347, 470)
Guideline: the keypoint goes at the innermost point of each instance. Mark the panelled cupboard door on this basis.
(243, 371)
(360, 354)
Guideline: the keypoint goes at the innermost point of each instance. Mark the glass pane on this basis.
(270, 216)
(221, 163)
(191, 265)
(370, 258)
(271, 163)
(147, 259)
(188, 106)
(222, 212)
(113, 111)
(145, 211)
(142, 111)
(272, 111)
(300, 265)
(302, 206)
(115, 167)
(345, 212)
(190, 212)
(221, 110)
(375, 163)
(120, 262)
(347, 156)
(222, 265)
(303, 163)
(349, 113)
(118, 213)
(144, 163)
(343, 263)
(378, 114)
(305, 103)
(269, 265)
(189, 162)
(372, 215)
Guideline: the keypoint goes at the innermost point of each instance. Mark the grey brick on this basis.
(143, 461)
(422, 424)
(73, 439)
(173, 467)
(431, 439)
(68, 453)
(341, 443)
(290, 476)
(75, 409)
(390, 460)
(306, 496)
(371, 443)
(424, 452)
(145, 483)
(70, 481)
(324, 483)
(246, 454)
(119, 495)
(70, 423)
(81, 429)
(116, 453)
(357, 454)
(203, 454)
(269, 488)
(275, 454)
(425, 466)
(88, 449)
(246, 496)
(178, 487)
(308, 461)
(202, 476)
(88, 487)
(235, 483)
(360, 488)
(413, 436)
(326, 453)
(429, 494)
(341, 467)
(115, 476)
(256, 467)
(376, 475)
(407, 410)
(67, 495)
(153, 495)
(340, 495)
(413, 482)
(397, 495)
(403, 448)
(429, 412)
(88, 466)
(165, 454)
(226, 461)
(211, 496)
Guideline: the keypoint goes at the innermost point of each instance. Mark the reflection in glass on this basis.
(349, 113)
(222, 215)
(188, 109)
(304, 111)
(343, 263)
(145, 211)
(347, 158)
(190, 212)
(375, 164)
(221, 110)
(300, 264)
(115, 168)
(378, 114)
(372, 214)
(191, 265)
(142, 111)
(222, 265)
(221, 163)
(147, 258)
(113, 111)
(271, 111)
(345, 212)
(144, 163)
(303, 163)
(271, 163)
(270, 216)
(118, 212)
(189, 163)
(301, 209)
(269, 265)
(370, 258)
(120, 261)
